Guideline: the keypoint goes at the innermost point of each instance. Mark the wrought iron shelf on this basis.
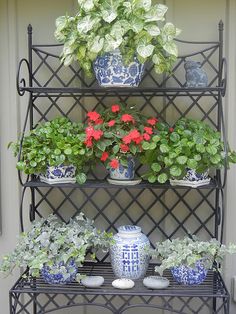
(113, 91)
(105, 184)
(213, 287)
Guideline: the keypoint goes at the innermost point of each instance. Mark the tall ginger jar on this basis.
(129, 253)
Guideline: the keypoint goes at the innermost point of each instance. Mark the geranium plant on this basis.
(190, 144)
(189, 250)
(134, 27)
(53, 143)
(51, 242)
(116, 133)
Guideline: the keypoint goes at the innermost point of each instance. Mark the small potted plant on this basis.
(185, 154)
(54, 151)
(55, 249)
(115, 137)
(116, 38)
(189, 259)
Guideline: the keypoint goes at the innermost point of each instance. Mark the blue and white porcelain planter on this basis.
(110, 71)
(122, 172)
(129, 257)
(60, 274)
(193, 179)
(189, 276)
(59, 174)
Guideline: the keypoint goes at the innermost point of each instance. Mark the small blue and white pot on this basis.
(189, 275)
(193, 176)
(60, 273)
(122, 172)
(129, 256)
(110, 71)
(59, 174)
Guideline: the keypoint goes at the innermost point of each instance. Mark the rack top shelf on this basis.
(105, 184)
(110, 91)
(212, 286)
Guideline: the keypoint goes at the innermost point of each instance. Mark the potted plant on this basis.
(55, 249)
(185, 154)
(115, 137)
(55, 151)
(116, 38)
(189, 259)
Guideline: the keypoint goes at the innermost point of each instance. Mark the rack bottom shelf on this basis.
(39, 297)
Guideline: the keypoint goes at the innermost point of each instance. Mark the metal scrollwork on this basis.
(223, 83)
(21, 82)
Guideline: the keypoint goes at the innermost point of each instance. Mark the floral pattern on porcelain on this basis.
(110, 70)
(122, 172)
(129, 257)
(193, 176)
(60, 273)
(62, 171)
(189, 275)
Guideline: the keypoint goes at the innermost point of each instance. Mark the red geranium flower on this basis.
(124, 148)
(99, 121)
(97, 134)
(89, 142)
(146, 136)
(127, 118)
(111, 123)
(104, 157)
(127, 139)
(138, 140)
(171, 130)
(93, 116)
(114, 163)
(148, 130)
(115, 108)
(152, 121)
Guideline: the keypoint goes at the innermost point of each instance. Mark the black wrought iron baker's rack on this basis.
(163, 211)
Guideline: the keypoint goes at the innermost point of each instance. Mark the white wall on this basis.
(197, 19)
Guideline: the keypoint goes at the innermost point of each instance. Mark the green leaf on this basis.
(182, 160)
(146, 145)
(33, 163)
(156, 13)
(115, 149)
(175, 171)
(164, 148)
(156, 167)
(212, 150)
(108, 134)
(174, 137)
(192, 164)
(156, 138)
(57, 151)
(168, 161)
(68, 151)
(171, 48)
(101, 146)
(215, 159)
(81, 178)
(197, 157)
(200, 148)
(20, 165)
(162, 178)
(145, 51)
(152, 179)
(152, 146)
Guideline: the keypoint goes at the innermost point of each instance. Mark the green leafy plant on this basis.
(188, 251)
(135, 27)
(190, 144)
(53, 143)
(116, 133)
(51, 241)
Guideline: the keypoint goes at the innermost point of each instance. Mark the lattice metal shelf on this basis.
(118, 301)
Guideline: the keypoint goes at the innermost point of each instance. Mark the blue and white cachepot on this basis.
(189, 275)
(60, 273)
(129, 256)
(59, 174)
(193, 176)
(122, 172)
(110, 70)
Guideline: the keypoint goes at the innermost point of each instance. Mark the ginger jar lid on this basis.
(129, 229)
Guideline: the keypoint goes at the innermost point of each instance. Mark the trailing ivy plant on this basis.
(191, 144)
(51, 241)
(189, 250)
(135, 27)
(53, 143)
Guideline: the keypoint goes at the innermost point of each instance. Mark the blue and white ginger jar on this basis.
(122, 172)
(110, 71)
(129, 256)
(60, 273)
(190, 275)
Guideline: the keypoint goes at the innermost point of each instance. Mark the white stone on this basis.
(92, 281)
(123, 283)
(156, 282)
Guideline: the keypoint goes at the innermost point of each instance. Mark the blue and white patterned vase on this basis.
(189, 276)
(110, 71)
(193, 176)
(60, 273)
(129, 257)
(59, 174)
(122, 172)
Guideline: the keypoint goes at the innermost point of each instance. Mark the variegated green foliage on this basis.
(135, 27)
